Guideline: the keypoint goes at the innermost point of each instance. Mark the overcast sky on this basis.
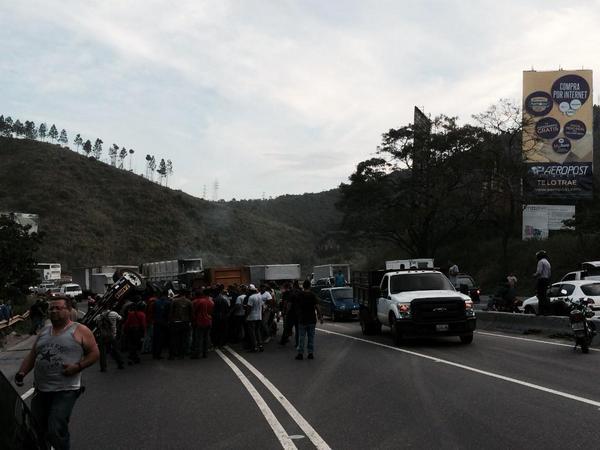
(274, 97)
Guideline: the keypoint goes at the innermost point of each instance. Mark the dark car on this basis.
(466, 285)
(338, 303)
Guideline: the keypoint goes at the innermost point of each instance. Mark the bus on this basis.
(49, 271)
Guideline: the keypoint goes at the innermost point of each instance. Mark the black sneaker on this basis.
(311, 356)
(299, 357)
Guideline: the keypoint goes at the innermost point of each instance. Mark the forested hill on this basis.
(93, 213)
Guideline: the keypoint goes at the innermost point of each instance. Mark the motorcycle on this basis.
(583, 329)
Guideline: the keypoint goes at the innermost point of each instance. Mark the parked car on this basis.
(43, 288)
(71, 290)
(466, 285)
(338, 303)
(561, 293)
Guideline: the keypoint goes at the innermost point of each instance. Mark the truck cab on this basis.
(415, 303)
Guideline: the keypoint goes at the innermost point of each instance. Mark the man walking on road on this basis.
(543, 273)
(307, 311)
(180, 318)
(59, 355)
(107, 338)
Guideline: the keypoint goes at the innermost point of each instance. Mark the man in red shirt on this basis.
(202, 308)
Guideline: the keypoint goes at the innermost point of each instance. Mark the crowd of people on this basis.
(189, 323)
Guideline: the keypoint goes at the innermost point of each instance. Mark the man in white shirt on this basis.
(254, 318)
(268, 309)
(543, 273)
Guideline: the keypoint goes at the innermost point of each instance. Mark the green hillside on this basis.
(93, 213)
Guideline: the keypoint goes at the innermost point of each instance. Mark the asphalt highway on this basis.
(360, 392)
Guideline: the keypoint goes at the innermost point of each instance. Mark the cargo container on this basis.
(227, 275)
(330, 271)
(274, 272)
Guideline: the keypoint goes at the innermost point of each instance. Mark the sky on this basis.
(274, 97)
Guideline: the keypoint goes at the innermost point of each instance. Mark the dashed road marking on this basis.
(471, 369)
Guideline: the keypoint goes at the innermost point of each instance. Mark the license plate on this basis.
(441, 327)
(577, 326)
(355, 313)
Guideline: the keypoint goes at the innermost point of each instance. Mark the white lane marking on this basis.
(27, 394)
(473, 369)
(308, 430)
(531, 340)
(280, 433)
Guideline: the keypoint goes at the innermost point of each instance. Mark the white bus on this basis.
(49, 271)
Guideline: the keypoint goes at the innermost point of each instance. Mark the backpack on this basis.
(105, 327)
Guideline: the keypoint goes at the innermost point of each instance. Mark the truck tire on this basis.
(395, 329)
(467, 339)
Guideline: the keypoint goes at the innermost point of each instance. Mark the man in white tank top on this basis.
(60, 353)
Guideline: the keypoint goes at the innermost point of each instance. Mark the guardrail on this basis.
(525, 323)
(8, 323)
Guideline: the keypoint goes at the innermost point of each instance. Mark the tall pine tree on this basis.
(63, 137)
(53, 134)
(42, 131)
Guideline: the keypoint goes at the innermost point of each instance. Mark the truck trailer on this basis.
(330, 271)
(274, 272)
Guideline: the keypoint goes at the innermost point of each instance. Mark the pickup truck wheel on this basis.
(467, 339)
(395, 329)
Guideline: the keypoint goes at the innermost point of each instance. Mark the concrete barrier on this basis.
(525, 323)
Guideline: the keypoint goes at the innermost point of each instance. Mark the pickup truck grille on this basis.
(439, 310)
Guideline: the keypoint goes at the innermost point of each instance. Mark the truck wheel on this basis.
(467, 339)
(585, 345)
(397, 335)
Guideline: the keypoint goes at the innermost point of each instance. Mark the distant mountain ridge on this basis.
(93, 213)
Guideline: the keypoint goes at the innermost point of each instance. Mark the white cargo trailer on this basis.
(274, 272)
(418, 263)
(330, 271)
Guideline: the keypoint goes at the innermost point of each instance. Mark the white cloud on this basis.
(294, 93)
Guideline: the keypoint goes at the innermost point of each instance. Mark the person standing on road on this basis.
(106, 323)
(543, 273)
(202, 308)
(134, 329)
(453, 272)
(160, 327)
(254, 318)
(238, 315)
(180, 318)
(267, 299)
(308, 311)
(36, 315)
(220, 317)
(59, 355)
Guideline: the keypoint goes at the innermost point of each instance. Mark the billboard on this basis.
(557, 133)
(538, 220)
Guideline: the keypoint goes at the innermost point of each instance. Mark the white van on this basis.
(71, 290)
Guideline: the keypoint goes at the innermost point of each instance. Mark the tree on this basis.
(53, 133)
(87, 147)
(131, 152)
(503, 156)
(169, 171)
(63, 137)
(423, 187)
(148, 160)
(17, 255)
(112, 154)
(162, 171)
(42, 131)
(18, 128)
(152, 167)
(78, 142)
(98, 148)
(8, 127)
(122, 156)
(30, 131)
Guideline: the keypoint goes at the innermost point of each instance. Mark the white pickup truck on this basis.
(413, 303)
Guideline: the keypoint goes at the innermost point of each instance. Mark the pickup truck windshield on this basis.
(419, 282)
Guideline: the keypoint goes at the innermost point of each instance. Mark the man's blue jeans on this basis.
(308, 330)
(52, 411)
